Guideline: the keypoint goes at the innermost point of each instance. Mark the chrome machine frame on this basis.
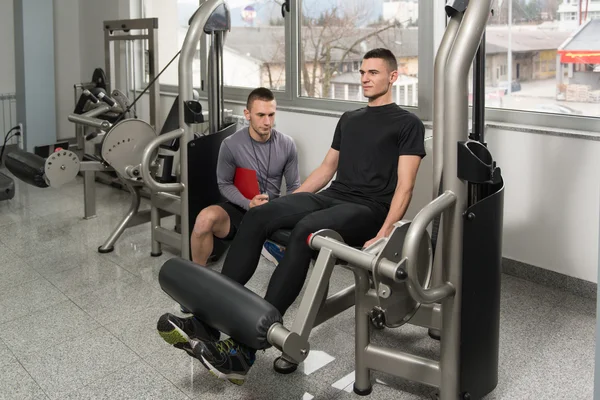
(117, 73)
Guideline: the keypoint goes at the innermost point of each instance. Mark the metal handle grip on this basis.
(410, 250)
(90, 121)
(147, 159)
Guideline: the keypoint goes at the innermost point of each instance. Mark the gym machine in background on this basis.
(110, 138)
(393, 277)
(123, 41)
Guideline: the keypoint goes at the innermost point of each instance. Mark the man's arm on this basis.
(225, 173)
(291, 171)
(322, 175)
(407, 175)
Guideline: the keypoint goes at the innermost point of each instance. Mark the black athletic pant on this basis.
(305, 213)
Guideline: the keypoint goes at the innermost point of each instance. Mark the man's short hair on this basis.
(386, 55)
(260, 93)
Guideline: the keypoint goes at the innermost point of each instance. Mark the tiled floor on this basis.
(75, 324)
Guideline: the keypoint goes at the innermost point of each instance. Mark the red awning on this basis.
(579, 56)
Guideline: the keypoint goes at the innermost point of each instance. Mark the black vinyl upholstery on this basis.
(27, 167)
(219, 301)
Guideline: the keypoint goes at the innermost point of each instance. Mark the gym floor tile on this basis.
(78, 362)
(28, 298)
(6, 355)
(129, 253)
(134, 381)
(120, 299)
(17, 384)
(138, 331)
(90, 276)
(57, 259)
(16, 272)
(183, 371)
(60, 323)
(13, 213)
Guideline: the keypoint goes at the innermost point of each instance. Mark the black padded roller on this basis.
(27, 167)
(219, 301)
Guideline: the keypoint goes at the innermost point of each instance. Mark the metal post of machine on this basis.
(478, 118)
(221, 98)
(476, 191)
(438, 140)
(362, 335)
(213, 89)
(153, 70)
(456, 117)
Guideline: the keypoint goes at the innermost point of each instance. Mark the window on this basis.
(173, 17)
(334, 36)
(254, 52)
(541, 69)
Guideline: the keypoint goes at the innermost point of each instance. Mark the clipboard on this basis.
(246, 182)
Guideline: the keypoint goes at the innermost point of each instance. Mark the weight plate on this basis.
(124, 145)
(61, 167)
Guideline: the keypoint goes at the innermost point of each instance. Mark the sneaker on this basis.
(273, 252)
(180, 332)
(226, 359)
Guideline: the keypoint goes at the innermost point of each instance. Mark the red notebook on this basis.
(246, 182)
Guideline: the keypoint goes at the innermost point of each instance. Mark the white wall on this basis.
(7, 47)
(67, 62)
(551, 201)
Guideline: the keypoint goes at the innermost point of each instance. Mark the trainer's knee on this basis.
(205, 221)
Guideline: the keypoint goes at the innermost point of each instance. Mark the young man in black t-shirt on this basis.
(376, 152)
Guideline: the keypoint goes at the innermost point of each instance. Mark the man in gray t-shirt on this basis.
(261, 150)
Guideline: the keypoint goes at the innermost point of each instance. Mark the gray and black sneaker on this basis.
(180, 332)
(226, 359)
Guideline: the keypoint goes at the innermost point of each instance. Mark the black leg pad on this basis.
(219, 301)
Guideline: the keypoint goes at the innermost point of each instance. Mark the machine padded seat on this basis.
(219, 301)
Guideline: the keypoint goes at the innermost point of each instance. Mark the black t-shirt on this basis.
(370, 140)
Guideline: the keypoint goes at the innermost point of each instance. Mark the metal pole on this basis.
(221, 98)
(153, 70)
(438, 137)
(456, 127)
(213, 87)
(479, 93)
